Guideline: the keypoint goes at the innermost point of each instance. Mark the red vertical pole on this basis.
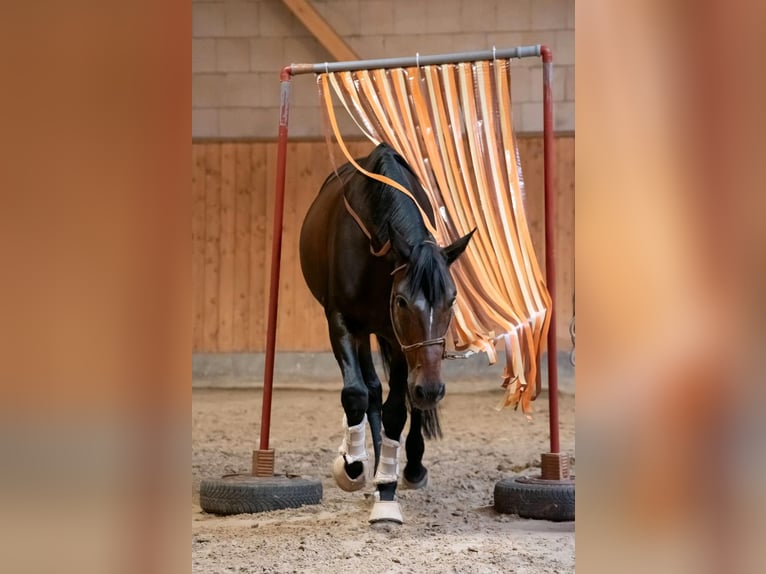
(550, 243)
(276, 257)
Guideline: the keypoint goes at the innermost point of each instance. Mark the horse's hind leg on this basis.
(349, 467)
(415, 475)
(375, 394)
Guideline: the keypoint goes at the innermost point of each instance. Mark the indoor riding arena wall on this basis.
(232, 199)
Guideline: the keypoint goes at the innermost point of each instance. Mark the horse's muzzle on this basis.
(426, 395)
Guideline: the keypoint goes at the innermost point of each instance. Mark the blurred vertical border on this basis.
(94, 288)
(670, 284)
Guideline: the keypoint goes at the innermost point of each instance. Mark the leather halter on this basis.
(428, 342)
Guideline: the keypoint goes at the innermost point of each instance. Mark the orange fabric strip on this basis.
(375, 176)
(452, 124)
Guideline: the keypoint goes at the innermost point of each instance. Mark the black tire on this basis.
(531, 497)
(245, 494)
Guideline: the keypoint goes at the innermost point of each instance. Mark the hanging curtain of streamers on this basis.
(452, 123)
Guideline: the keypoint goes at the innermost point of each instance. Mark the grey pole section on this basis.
(432, 60)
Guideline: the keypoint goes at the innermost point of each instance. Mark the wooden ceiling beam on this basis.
(321, 29)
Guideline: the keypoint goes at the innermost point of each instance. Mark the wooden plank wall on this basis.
(233, 197)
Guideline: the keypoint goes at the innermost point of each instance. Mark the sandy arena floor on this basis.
(450, 526)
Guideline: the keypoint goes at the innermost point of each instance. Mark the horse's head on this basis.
(422, 297)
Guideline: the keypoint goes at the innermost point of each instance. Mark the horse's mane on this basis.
(397, 217)
(426, 270)
(385, 161)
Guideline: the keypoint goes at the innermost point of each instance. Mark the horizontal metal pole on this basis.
(418, 60)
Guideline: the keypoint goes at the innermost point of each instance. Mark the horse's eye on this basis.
(452, 302)
(401, 303)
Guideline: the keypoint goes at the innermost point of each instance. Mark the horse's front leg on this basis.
(386, 508)
(415, 475)
(375, 394)
(349, 468)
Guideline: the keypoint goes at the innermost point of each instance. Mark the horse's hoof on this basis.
(343, 480)
(386, 511)
(418, 484)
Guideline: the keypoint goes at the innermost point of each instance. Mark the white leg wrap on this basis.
(388, 467)
(353, 446)
(352, 449)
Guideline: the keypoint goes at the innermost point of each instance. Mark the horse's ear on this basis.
(401, 247)
(452, 252)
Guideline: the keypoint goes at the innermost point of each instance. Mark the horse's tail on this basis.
(429, 420)
(385, 355)
(431, 426)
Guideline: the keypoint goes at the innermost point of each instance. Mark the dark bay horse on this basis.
(370, 261)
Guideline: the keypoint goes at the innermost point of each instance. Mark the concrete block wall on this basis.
(238, 48)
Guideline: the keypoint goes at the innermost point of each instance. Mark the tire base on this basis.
(533, 497)
(246, 494)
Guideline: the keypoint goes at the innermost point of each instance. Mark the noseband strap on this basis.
(405, 348)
